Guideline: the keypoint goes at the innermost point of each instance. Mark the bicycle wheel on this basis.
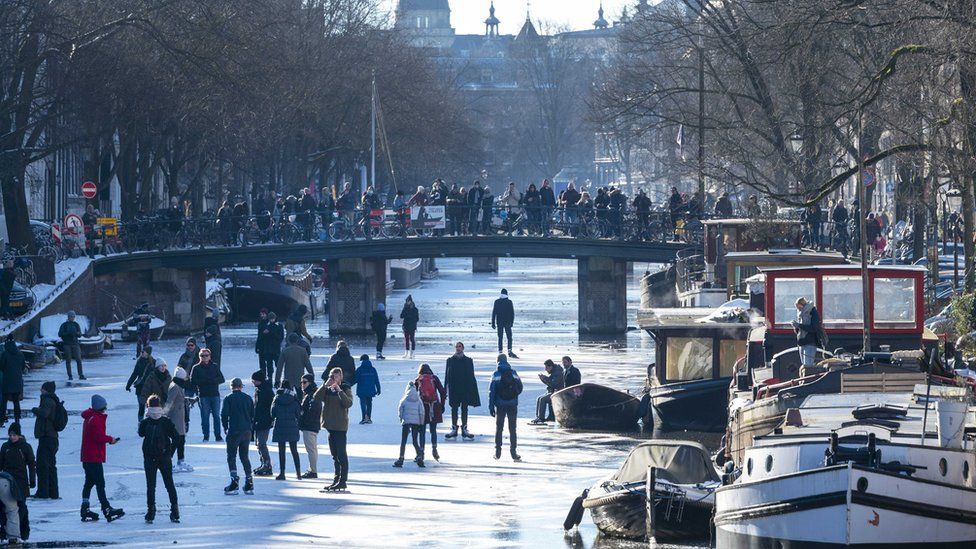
(390, 230)
(289, 234)
(338, 231)
(50, 252)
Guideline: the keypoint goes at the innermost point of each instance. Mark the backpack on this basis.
(427, 389)
(60, 419)
(509, 387)
(157, 442)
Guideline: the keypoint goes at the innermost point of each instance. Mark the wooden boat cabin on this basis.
(895, 309)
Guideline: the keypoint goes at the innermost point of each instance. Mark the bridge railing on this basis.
(166, 233)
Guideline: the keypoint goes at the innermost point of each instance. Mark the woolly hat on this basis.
(14, 429)
(504, 291)
(98, 402)
(71, 314)
(259, 376)
(48, 387)
(381, 307)
(180, 373)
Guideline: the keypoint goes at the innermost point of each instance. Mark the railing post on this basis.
(649, 502)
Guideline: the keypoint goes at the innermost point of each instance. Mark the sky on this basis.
(468, 16)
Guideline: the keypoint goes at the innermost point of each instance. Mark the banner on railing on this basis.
(427, 217)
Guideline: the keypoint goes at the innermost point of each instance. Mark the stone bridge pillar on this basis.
(178, 296)
(602, 286)
(484, 264)
(355, 287)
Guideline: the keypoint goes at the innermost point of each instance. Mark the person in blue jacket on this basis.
(503, 403)
(367, 383)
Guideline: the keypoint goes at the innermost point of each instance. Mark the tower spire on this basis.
(491, 24)
(600, 22)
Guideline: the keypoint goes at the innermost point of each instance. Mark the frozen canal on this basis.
(468, 499)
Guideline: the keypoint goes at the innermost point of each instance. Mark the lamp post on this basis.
(862, 200)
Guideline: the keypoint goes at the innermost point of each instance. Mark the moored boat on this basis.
(92, 342)
(699, 405)
(252, 290)
(127, 330)
(596, 407)
(683, 493)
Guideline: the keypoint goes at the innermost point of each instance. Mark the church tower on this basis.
(428, 22)
(491, 24)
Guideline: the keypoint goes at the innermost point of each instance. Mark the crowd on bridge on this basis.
(290, 401)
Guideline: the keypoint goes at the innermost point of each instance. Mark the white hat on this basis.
(180, 373)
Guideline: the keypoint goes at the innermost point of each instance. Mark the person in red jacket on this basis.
(93, 441)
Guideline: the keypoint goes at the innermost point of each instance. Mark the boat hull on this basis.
(595, 407)
(844, 506)
(700, 405)
(624, 515)
(253, 291)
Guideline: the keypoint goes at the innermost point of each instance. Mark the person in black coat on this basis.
(287, 413)
(263, 397)
(17, 460)
(12, 364)
(7, 279)
(571, 373)
(310, 424)
(379, 322)
(70, 334)
(145, 365)
(159, 439)
(473, 203)
(502, 319)
(411, 317)
(342, 359)
(47, 443)
(462, 390)
(268, 343)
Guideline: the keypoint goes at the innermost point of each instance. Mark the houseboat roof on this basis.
(747, 221)
(787, 255)
(848, 268)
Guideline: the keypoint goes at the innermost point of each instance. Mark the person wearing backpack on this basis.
(432, 394)
(503, 403)
(411, 412)
(12, 364)
(145, 364)
(93, 441)
(17, 460)
(286, 411)
(159, 438)
(50, 419)
(367, 383)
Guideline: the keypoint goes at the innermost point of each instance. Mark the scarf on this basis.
(154, 412)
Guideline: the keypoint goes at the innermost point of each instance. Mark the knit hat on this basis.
(98, 402)
(180, 373)
(309, 378)
(71, 314)
(259, 376)
(504, 291)
(381, 307)
(14, 429)
(48, 387)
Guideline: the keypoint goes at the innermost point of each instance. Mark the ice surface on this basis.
(468, 499)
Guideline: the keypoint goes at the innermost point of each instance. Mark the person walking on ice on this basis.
(237, 417)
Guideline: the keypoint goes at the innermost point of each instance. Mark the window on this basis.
(786, 291)
(729, 351)
(689, 358)
(894, 302)
(842, 303)
(487, 77)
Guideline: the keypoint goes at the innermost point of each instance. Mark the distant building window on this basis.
(487, 77)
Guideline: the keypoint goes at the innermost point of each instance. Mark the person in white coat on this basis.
(412, 420)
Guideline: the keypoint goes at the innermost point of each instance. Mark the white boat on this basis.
(854, 470)
(126, 330)
(92, 342)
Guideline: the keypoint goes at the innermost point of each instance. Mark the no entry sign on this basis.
(88, 190)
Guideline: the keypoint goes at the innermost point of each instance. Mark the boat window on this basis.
(786, 292)
(689, 358)
(842, 302)
(943, 467)
(729, 351)
(965, 470)
(894, 302)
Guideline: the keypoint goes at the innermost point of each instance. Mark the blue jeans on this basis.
(366, 406)
(808, 355)
(210, 406)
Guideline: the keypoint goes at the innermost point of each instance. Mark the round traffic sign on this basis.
(88, 189)
(73, 224)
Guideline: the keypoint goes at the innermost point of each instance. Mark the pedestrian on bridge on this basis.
(502, 319)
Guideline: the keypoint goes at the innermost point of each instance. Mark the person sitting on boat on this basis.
(807, 325)
(554, 380)
(571, 374)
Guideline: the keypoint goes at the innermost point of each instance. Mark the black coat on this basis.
(169, 431)
(270, 336)
(263, 397)
(342, 359)
(286, 412)
(459, 380)
(12, 364)
(503, 313)
(69, 332)
(411, 317)
(311, 411)
(139, 371)
(573, 376)
(237, 413)
(44, 414)
(379, 320)
(17, 459)
(547, 196)
(207, 379)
